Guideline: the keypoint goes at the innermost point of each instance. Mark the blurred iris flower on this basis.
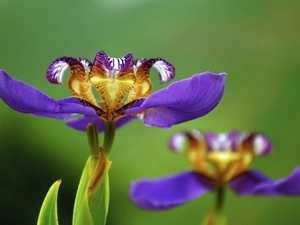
(125, 89)
(217, 160)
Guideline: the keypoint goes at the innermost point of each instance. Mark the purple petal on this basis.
(127, 61)
(176, 142)
(262, 145)
(178, 139)
(120, 64)
(182, 100)
(133, 104)
(211, 139)
(222, 142)
(255, 183)
(170, 191)
(27, 99)
(81, 123)
(87, 64)
(233, 137)
(166, 71)
(137, 63)
(57, 68)
(75, 105)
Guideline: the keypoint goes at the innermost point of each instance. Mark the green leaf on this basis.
(81, 212)
(92, 198)
(48, 212)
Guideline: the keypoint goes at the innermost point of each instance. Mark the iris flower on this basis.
(217, 160)
(124, 87)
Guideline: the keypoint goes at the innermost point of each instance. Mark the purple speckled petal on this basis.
(168, 192)
(119, 64)
(211, 139)
(222, 142)
(166, 71)
(81, 123)
(233, 137)
(183, 100)
(262, 145)
(177, 140)
(137, 63)
(57, 68)
(87, 64)
(27, 99)
(255, 183)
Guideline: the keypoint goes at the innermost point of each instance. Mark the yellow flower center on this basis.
(221, 166)
(120, 82)
(116, 88)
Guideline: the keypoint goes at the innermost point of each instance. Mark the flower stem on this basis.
(220, 200)
(92, 135)
(109, 134)
(215, 216)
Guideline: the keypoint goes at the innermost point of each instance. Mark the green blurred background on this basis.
(255, 42)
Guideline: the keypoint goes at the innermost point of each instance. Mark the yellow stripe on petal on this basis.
(143, 86)
(79, 83)
(141, 89)
(113, 91)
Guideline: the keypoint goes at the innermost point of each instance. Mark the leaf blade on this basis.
(92, 198)
(81, 211)
(48, 212)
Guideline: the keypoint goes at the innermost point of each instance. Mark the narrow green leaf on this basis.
(48, 212)
(81, 212)
(98, 199)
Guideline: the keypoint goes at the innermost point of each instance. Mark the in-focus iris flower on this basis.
(125, 89)
(217, 160)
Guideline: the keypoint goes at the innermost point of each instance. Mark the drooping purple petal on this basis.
(182, 100)
(255, 183)
(72, 104)
(168, 192)
(27, 99)
(133, 104)
(81, 123)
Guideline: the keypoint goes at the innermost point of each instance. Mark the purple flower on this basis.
(124, 87)
(217, 160)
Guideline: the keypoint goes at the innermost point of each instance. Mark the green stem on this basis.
(220, 200)
(109, 134)
(92, 135)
